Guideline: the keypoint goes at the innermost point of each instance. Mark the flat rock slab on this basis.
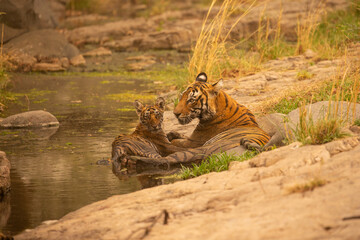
(37, 118)
(264, 198)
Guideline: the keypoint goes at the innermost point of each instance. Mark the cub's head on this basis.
(151, 116)
(198, 101)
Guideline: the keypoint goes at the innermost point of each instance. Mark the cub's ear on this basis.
(201, 77)
(218, 86)
(138, 106)
(160, 102)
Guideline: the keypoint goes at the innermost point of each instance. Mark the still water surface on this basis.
(54, 172)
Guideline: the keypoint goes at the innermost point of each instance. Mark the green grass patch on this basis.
(357, 122)
(35, 95)
(337, 30)
(125, 109)
(214, 163)
(322, 131)
(304, 74)
(105, 82)
(170, 75)
(5, 133)
(130, 97)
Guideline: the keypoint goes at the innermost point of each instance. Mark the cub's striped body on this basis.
(224, 124)
(148, 139)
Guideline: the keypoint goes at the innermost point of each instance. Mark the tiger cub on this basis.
(148, 139)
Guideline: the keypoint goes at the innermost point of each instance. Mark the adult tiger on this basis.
(223, 123)
(148, 139)
(218, 113)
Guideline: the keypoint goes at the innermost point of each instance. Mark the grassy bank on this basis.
(329, 34)
(326, 33)
(214, 163)
(345, 84)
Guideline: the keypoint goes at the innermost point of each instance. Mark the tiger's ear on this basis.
(201, 77)
(160, 102)
(138, 106)
(218, 86)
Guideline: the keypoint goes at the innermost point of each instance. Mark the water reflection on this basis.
(53, 171)
(5, 210)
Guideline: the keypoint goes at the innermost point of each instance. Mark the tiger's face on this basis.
(197, 101)
(151, 116)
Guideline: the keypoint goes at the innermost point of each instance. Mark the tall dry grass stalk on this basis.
(306, 26)
(268, 40)
(210, 52)
(2, 42)
(2, 73)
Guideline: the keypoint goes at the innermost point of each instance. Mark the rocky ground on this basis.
(79, 38)
(293, 192)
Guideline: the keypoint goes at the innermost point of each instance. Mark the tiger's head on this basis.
(198, 101)
(151, 116)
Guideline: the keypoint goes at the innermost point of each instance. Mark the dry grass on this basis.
(211, 52)
(306, 27)
(326, 33)
(3, 75)
(309, 186)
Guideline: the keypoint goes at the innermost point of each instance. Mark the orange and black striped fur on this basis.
(224, 124)
(218, 114)
(148, 139)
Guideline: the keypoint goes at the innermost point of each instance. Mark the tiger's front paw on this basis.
(252, 146)
(174, 135)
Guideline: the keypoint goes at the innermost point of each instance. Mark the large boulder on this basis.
(26, 15)
(318, 111)
(42, 44)
(37, 118)
(4, 175)
(39, 46)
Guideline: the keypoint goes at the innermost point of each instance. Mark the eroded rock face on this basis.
(37, 118)
(40, 46)
(27, 15)
(267, 197)
(4, 175)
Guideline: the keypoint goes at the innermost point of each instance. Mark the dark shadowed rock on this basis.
(26, 15)
(4, 174)
(42, 44)
(5, 210)
(10, 33)
(37, 118)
